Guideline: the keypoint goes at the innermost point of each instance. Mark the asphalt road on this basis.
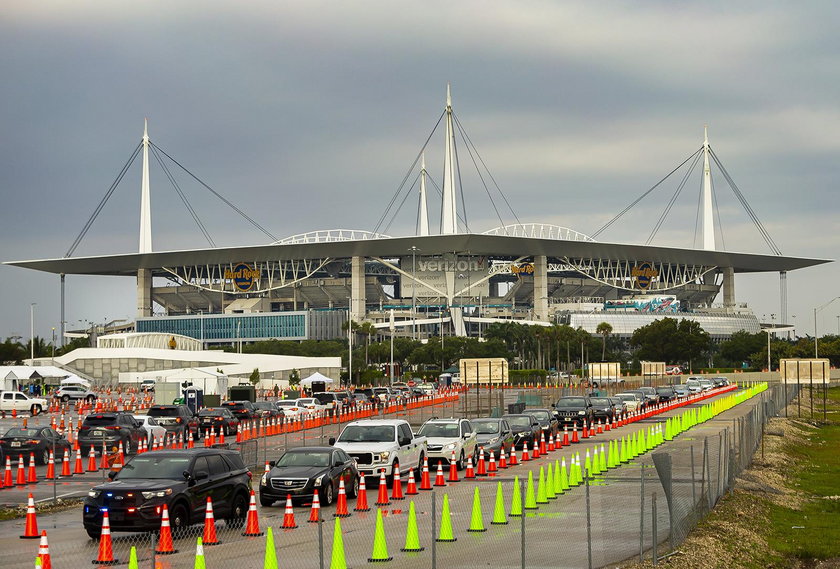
(555, 534)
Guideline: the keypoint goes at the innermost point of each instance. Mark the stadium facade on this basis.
(307, 286)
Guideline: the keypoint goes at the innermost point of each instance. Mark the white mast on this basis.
(449, 215)
(708, 220)
(145, 198)
(424, 212)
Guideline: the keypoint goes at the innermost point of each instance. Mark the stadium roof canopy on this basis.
(390, 247)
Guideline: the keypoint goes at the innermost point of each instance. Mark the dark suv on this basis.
(182, 480)
(176, 419)
(574, 410)
(109, 430)
(242, 410)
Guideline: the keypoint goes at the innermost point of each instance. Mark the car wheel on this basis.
(90, 399)
(353, 491)
(45, 456)
(460, 464)
(35, 410)
(179, 519)
(328, 493)
(238, 511)
(65, 398)
(94, 533)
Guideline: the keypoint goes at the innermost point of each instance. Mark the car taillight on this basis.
(85, 428)
(178, 420)
(250, 476)
(113, 427)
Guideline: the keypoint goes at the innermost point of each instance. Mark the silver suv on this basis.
(445, 436)
(74, 393)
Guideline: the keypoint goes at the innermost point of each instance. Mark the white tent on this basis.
(315, 377)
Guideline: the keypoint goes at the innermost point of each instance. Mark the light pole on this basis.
(769, 369)
(349, 340)
(391, 367)
(53, 347)
(32, 332)
(817, 309)
(201, 326)
(413, 250)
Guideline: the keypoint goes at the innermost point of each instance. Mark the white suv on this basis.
(447, 435)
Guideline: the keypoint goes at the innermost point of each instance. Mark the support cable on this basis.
(104, 200)
(478, 170)
(673, 200)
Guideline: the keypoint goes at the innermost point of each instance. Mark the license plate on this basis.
(15, 443)
(98, 433)
(116, 516)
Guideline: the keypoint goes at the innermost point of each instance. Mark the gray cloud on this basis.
(307, 115)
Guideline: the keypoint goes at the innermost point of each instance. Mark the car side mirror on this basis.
(187, 475)
(554, 405)
(272, 463)
(112, 474)
(331, 441)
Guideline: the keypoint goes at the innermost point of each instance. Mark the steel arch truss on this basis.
(271, 275)
(623, 274)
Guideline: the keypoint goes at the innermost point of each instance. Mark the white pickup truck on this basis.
(378, 445)
(19, 401)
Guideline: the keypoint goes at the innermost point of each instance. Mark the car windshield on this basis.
(164, 412)
(92, 420)
(367, 434)
(307, 401)
(486, 427)
(663, 390)
(626, 397)
(286, 403)
(540, 415)
(439, 430)
(601, 401)
(21, 432)
(571, 402)
(154, 467)
(520, 421)
(325, 397)
(305, 458)
(214, 412)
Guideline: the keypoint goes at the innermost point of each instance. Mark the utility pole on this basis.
(32, 332)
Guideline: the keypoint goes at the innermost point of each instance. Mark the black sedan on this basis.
(267, 410)
(19, 441)
(548, 421)
(217, 418)
(493, 435)
(526, 429)
(603, 409)
(301, 471)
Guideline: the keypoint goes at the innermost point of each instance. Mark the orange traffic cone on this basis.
(453, 468)
(32, 478)
(535, 450)
(44, 552)
(65, 463)
(91, 466)
(513, 460)
(565, 442)
(575, 438)
(584, 434)
(165, 546)
(491, 467)
(289, 514)
(382, 498)
(315, 511)
(79, 467)
(439, 481)
(51, 467)
(190, 441)
(21, 473)
(361, 499)
(106, 549)
(543, 448)
(209, 537)
(482, 466)
(470, 472)
(425, 483)
(252, 523)
(30, 529)
(341, 510)
(8, 480)
(103, 464)
(550, 447)
(221, 437)
(411, 487)
(502, 458)
(396, 485)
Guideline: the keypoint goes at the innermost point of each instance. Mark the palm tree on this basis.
(604, 329)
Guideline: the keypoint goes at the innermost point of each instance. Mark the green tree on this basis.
(740, 346)
(254, 378)
(604, 329)
(294, 378)
(12, 351)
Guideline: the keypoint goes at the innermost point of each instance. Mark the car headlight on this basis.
(451, 446)
(492, 441)
(157, 494)
(384, 455)
(94, 493)
(581, 412)
(264, 480)
(319, 480)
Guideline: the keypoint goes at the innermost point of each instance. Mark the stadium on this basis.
(452, 282)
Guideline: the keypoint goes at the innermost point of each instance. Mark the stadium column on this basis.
(357, 288)
(728, 287)
(541, 288)
(144, 293)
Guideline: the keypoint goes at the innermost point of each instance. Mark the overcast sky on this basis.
(308, 115)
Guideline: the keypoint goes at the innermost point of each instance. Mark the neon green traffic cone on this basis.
(445, 533)
(270, 559)
(132, 558)
(564, 477)
(476, 521)
(338, 560)
(602, 457)
(530, 499)
(516, 500)
(199, 555)
(587, 465)
(380, 547)
(499, 517)
(550, 492)
(542, 495)
(412, 536)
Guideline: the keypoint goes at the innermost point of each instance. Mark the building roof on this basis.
(476, 244)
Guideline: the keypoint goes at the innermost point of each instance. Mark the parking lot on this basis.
(555, 534)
